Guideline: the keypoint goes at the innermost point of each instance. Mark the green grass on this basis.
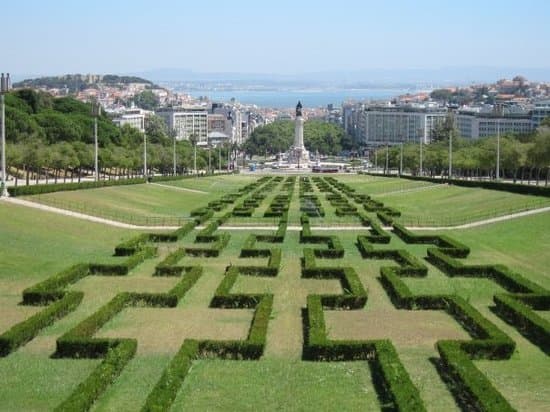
(38, 383)
(277, 385)
(37, 244)
(522, 244)
(453, 205)
(373, 185)
(164, 203)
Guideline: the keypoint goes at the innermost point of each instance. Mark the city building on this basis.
(380, 125)
(541, 111)
(187, 122)
(133, 117)
(473, 124)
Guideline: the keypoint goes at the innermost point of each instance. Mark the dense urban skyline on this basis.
(285, 37)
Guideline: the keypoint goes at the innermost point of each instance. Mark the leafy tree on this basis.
(442, 95)
(156, 130)
(146, 100)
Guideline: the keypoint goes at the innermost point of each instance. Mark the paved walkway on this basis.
(412, 189)
(486, 221)
(180, 188)
(21, 202)
(34, 205)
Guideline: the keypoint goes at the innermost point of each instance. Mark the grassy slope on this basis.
(426, 204)
(133, 203)
(523, 244)
(279, 381)
(36, 245)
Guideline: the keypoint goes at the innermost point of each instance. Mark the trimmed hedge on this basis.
(446, 244)
(116, 358)
(505, 187)
(51, 289)
(219, 242)
(164, 393)
(122, 269)
(354, 296)
(514, 310)
(168, 266)
(409, 265)
(392, 382)
(482, 395)
(61, 187)
(78, 342)
(224, 299)
(509, 280)
(23, 332)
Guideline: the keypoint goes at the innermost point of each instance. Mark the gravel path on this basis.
(21, 202)
(26, 203)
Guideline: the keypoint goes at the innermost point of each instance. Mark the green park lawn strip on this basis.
(277, 385)
(33, 382)
(373, 185)
(453, 205)
(37, 244)
(216, 185)
(522, 244)
(137, 204)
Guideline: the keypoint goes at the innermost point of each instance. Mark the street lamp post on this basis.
(4, 87)
(96, 112)
(145, 157)
(420, 171)
(498, 150)
(209, 159)
(174, 155)
(219, 157)
(401, 160)
(387, 167)
(450, 155)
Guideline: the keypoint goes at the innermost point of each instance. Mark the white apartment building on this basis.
(132, 117)
(380, 125)
(472, 125)
(186, 122)
(541, 110)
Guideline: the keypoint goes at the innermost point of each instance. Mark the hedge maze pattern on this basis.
(395, 389)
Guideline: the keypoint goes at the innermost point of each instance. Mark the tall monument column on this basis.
(299, 128)
(298, 154)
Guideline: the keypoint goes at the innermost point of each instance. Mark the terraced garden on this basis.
(301, 315)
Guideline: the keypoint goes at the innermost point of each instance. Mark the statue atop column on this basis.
(299, 109)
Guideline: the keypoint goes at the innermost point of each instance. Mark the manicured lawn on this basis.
(453, 205)
(522, 244)
(38, 244)
(163, 203)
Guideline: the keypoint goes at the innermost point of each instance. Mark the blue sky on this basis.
(61, 36)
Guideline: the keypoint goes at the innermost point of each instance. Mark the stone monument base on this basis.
(298, 156)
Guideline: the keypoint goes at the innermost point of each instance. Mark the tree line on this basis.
(277, 137)
(522, 157)
(53, 138)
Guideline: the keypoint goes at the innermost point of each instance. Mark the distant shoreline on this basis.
(310, 97)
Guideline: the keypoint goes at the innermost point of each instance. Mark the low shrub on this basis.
(23, 332)
(524, 318)
(468, 380)
(164, 393)
(51, 289)
(116, 358)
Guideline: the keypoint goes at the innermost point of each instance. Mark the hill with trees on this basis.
(78, 82)
(51, 137)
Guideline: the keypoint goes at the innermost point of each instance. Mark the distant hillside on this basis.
(77, 82)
